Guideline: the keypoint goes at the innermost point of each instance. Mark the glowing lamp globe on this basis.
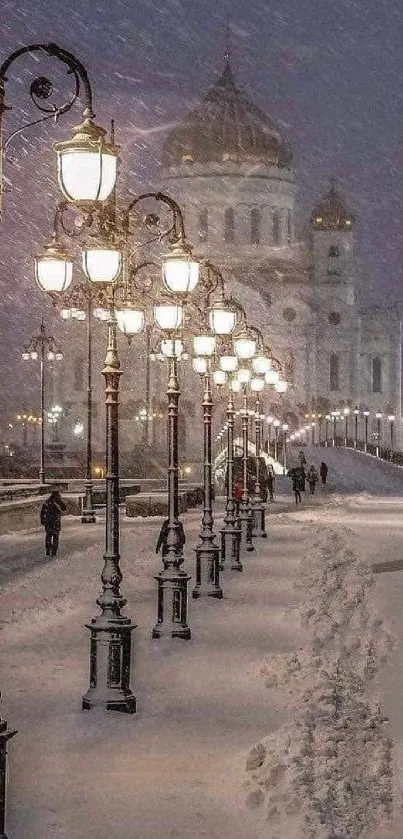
(222, 318)
(204, 345)
(180, 270)
(271, 377)
(101, 314)
(219, 377)
(244, 346)
(86, 164)
(25, 356)
(171, 348)
(200, 365)
(256, 384)
(102, 264)
(235, 386)
(261, 364)
(280, 386)
(229, 363)
(130, 321)
(59, 356)
(53, 269)
(243, 375)
(168, 317)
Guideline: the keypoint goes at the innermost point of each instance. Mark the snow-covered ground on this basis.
(269, 723)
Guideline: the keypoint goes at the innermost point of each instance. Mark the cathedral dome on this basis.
(331, 213)
(226, 126)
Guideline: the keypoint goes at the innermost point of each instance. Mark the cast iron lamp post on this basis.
(335, 415)
(285, 430)
(346, 413)
(54, 420)
(276, 424)
(378, 416)
(356, 415)
(269, 421)
(258, 508)
(366, 415)
(313, 428)
(230, 533)
(87, 163)
(42, 347)
(327, 420)
(245, 510)
(391, 421)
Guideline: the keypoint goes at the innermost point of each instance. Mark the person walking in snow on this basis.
(298, 482)
(270, 482)
(312, 478)
(323, 472)
(51, 515)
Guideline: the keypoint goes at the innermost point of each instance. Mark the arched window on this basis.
(78, 372)
(376, 375)
(203, 225)
(276, 228)
(254, 227)
(334, 372)
(333, 261)
(229, 225)
(289, 227)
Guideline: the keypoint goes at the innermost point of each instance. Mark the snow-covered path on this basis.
(177, 767)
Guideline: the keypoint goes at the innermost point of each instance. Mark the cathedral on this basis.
(230, 169)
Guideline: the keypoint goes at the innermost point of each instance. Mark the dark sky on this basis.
(329, 72)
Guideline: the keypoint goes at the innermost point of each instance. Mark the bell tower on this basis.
(332, 263)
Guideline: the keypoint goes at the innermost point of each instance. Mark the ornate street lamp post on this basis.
(391, 420)
(327, 420)
(366, 415)
(346, 413)
(320, 421)
(276, 424)
(313, 428)
(285, 430)
(230, 533)
(378, 438)
(245, 510)
(335, 415)
(258, 508)
(269, 421)
(356, 415)
(42, 347)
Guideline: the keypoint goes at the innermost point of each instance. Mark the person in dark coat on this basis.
(298, 482)
(51, 515)
(323, 472)
(270, 482)
(162, 538)
(312, 478)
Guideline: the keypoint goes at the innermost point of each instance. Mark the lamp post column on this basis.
(320, 430)
(326, 431)
(88, 516)
(110, 645)
(207, 551)
(378, 441)
(366, 415)
(276, 425)
(258, 509)
(42, 374)
(285, 429)
(5, 735)
(171, 581)
(334, 431)
(230, 533)
(346, 414)
(245, 512)
(356, 414)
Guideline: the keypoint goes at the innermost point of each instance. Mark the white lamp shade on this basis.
(50, 356)
(200, 365)
(236, 386)
(222, 321)
(86, 175)
(34, 355)
(256, 384)
(130, 321)
(65, 314)
(245, 347)
(180, 274)
(171, 347)
(53, 273)
(229, 363)
(59, 356)
(25, 356)
(243, 375)
(261, 364)
(102, 265)
(168, 317)
(101, 314)
(271, 377)
(204, 345)
(280, 386)
(78, 314)
(219, 377)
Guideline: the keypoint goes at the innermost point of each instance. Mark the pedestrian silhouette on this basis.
(51, 515)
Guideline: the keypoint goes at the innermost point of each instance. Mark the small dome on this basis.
(331, 213)
(225, 126)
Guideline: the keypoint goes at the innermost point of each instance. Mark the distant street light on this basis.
(356, 415)
(378, 440)
(391, 420)
(346, 413)
(366, 415)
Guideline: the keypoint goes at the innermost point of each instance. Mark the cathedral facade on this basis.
(230, 169)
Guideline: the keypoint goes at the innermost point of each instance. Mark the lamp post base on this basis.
(110, 649)
(207, 572)
(258, 518)
(88, 516)
(172, 605)
(230, 547)
(246, 523)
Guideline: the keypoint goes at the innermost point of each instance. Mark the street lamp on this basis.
(366, 415)
(313, 428)
(54, 419)
(391, 420)
(87, 163)
(285, 430)
(327, 420)
(230, 533)
(356, 415)
(378, 416)
(335, 416)
(245, 510)
(42, 347)
(258, 509)
(269, 421)
(346, 413)
(276, 425)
